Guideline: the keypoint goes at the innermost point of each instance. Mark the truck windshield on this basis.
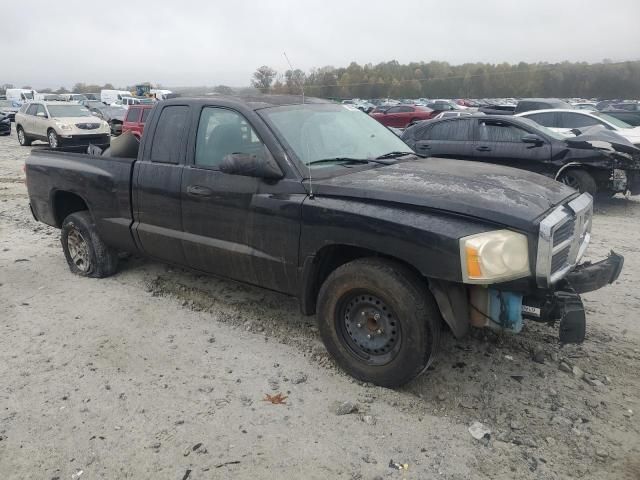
(61, 111)
(316, 132)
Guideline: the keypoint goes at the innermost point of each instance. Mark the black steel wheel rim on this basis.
(368, 327)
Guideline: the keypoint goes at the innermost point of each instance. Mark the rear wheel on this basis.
(23, 140)
(379, 321)
(52, 136)
(579, 180)
(86, 253)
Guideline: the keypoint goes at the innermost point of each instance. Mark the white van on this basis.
(159, 93)
(111, 96)
(20, 94)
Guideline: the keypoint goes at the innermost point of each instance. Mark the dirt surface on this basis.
(161, 373)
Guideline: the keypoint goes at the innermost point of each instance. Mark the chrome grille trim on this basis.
(553, 261)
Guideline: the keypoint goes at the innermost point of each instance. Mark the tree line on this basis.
(470, 80)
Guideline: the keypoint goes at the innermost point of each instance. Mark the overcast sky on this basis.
(184, 43)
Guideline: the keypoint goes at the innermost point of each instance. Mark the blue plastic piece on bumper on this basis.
(505, 310)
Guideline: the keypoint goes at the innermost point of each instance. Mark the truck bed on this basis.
(57, 179)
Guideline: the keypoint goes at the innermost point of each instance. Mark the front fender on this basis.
(425, 239)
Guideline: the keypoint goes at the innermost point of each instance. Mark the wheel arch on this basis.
(568, 166)
(450, 296)
(65, 203)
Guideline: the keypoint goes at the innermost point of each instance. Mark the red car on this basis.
(401, 116)
(136, 118)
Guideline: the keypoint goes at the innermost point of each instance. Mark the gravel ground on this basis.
(161, 373)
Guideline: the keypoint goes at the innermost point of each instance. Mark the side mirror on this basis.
(533, 139)
(251, 165)
(41, 114)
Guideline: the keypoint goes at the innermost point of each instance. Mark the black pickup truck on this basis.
(319, 201)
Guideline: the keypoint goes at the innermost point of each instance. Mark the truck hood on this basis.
(506, 196)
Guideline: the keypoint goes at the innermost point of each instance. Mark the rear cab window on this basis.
(168, 138)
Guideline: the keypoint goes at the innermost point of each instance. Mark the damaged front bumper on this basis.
(563, 304)
(506, 310)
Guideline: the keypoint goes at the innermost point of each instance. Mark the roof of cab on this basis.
(254, 102)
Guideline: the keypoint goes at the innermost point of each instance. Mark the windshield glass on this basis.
(59, 111)
(326, 131)
(612, 120)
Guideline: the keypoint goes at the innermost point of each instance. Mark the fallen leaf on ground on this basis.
(277, 399)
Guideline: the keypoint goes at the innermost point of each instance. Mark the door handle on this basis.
(424, 146)
(483, 149)
(199, 191)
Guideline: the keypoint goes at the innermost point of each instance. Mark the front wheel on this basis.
(52, 136)
(379, 321)
(23, 140)
(87, 255)
(579, 180)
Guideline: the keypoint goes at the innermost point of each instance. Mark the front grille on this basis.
(564, 232)
(87, 126)
(563, 239)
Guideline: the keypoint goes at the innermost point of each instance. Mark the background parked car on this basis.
(20, 95)
(113, 115)
(136, 118)
(9, 108)
(452, 113)
(564, 121)
(5, 124)
(497, 109)
(402, 115)
(111, 96)
(61, 124)
(522, 143)
(73, 97)
(528, 104)
(632, 118)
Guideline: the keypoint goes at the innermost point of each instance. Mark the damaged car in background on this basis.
(318, 201)
(595, 161)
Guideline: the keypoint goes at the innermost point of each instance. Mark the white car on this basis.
(61, 124)
(452, 113)
(563, 121)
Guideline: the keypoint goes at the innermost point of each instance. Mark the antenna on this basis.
(300, 84)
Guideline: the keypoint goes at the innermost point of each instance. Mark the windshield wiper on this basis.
(346, 160)
(394, 155)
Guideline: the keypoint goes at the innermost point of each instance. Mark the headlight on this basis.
(64, 126)
(493, 257)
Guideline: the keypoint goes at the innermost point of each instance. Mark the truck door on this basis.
(156, 186)
(236, 226)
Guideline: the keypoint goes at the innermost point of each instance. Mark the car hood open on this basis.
(502, 195)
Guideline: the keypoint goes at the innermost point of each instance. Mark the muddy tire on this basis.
(86, 253)
(379, 321)
(579, 180)
(23, 139)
